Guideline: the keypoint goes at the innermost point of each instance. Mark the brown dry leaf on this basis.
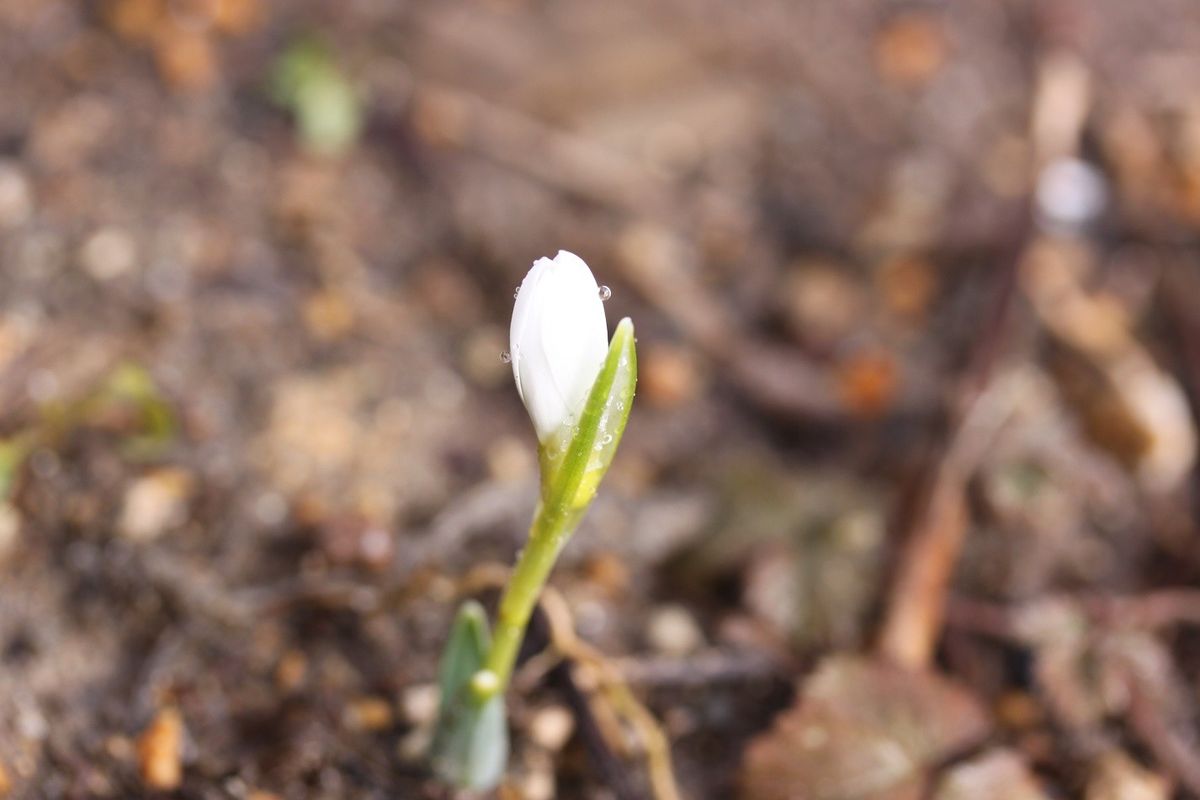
(160, 751)
(995, 775)
(862, 731)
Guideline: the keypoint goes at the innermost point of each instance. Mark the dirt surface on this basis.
(915, 287)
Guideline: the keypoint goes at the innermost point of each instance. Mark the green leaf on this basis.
(12, 456)
(470, 745)
(132, 384)
(570, 477)
(327, 109)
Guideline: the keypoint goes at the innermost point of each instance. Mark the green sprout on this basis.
(578, 388)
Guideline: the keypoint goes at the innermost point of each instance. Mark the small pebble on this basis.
(673, 631)
(481, 357)
(551, 727)
(510, 459)
(154, 504)
(669, 376)
(108, 253)
(414, 745)
(369, 714)
(328, 315)
(538, 785)
(10, 529)
(610, 572)
(16, 198)
(291, 671)
(419, 703)
(1071, 193)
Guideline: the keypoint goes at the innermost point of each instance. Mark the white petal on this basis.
(558, 340)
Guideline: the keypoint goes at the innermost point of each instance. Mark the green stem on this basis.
(550, 529)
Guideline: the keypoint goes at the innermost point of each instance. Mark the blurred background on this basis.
(906, 507)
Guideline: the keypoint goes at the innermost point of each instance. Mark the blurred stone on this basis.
(1116, 776)
(67, 135)
(236, 17)
(868, 381)
(672, 630)
(1071, 194)
(120, 748)
(368, 714)
(908, 285)
(668, 376)
(913, 204)
(419, 703)
(537, 784)
(482, 359)
(1005, 167)
(910, 49)
(185, 57)
(376, 547)
(609, 572)
(160, 749)
(135, 20)
(414, 746)
(291, 670)
(445, 291)
(108, 253)
(1018, 710)
(551, 727)
(10, 530)
(822, 303)
(328, 315)
(998, 774)
(154, 504)
(510, 459)
(16, 196)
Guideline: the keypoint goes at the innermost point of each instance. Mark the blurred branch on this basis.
(915, 602)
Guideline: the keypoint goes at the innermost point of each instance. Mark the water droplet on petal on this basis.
(516, 292)
(605, 293)
(506, 357)
(607, 439)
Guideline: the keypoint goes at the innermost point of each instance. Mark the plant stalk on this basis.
(549, 531)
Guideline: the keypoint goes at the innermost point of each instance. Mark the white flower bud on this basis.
(558, 340)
